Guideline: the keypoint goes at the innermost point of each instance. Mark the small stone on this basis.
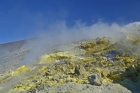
(55, 78)
(79, 70)
(64, 68)
(105, 72)
(95, 79)
(104, 58)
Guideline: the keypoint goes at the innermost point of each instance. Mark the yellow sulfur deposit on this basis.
(43, 69)
(99, 70)
(20, 70)
(107, 80)
(116, 77)
(23, 87)
(54, 57)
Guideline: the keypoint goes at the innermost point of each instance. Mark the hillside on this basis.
(97, 65)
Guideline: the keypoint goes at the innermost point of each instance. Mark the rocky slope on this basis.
(90, 66)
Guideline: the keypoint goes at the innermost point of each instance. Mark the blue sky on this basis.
(21, 19)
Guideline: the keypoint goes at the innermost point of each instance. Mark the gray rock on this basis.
(95, 79)
(79, 70)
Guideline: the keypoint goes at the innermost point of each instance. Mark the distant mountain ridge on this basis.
(11, 46)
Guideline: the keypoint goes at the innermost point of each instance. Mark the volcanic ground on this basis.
(97, 65)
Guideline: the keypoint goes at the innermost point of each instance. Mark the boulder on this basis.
(95, 79)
